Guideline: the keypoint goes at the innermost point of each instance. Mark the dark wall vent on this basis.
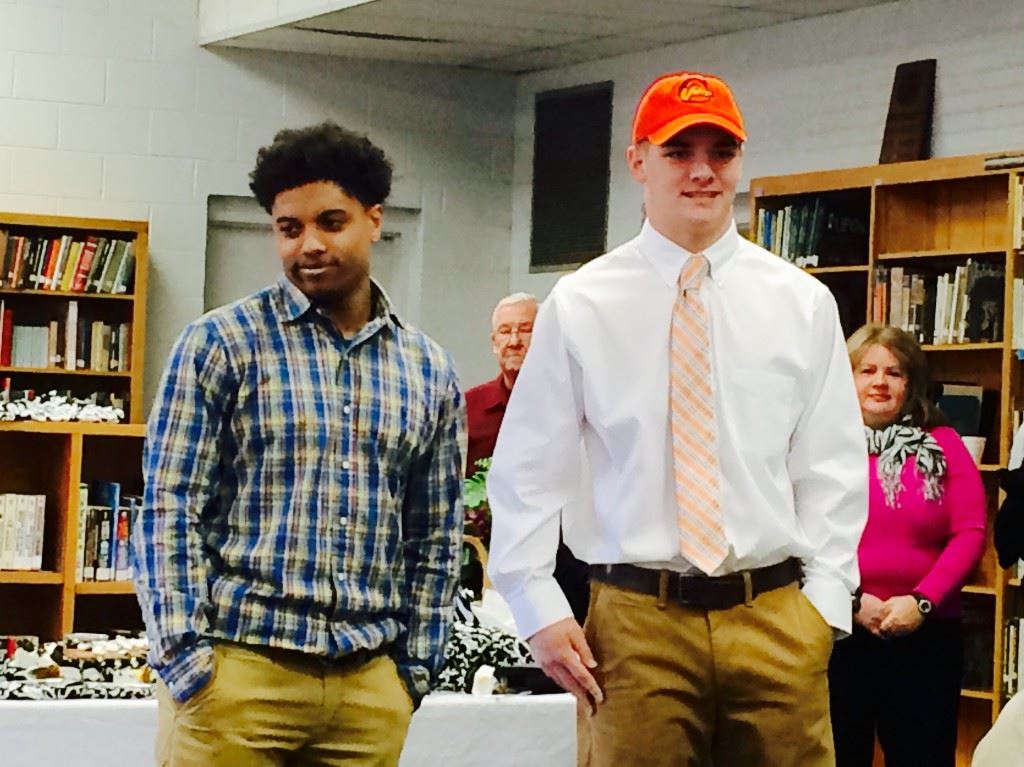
(571, 159)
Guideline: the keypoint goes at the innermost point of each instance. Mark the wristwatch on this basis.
(857, 600)
(924, 605)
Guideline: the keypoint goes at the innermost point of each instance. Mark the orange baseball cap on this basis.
(680, 100)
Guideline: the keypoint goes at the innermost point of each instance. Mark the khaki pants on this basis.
(743, 687)
(270, 708)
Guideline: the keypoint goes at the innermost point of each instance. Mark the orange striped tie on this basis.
(694, 429)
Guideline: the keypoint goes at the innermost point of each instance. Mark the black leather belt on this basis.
(700, 592)
(350, 660)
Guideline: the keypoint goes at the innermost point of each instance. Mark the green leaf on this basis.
(474, 488)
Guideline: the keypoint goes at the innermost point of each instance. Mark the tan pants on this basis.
(743, 687)
(270, 708)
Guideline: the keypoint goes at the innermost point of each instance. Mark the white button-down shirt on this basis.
(590, 410)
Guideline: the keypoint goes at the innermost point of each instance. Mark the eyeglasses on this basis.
(507, 331)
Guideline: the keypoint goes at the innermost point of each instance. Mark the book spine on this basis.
(82, 268)
(83, 520)
(40, 528)
(3, 531)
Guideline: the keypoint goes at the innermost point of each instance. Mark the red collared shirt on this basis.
(485, 407)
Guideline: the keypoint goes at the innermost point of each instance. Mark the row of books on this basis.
(70, 343)
(798, 232)
(105, 521)
(792, 232)
(68, 263)
(22, 522)
(962, 306)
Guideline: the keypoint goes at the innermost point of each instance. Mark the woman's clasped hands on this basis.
(893, 617)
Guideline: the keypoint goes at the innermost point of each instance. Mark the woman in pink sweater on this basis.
(899, 673)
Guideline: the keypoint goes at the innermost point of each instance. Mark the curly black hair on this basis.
(324, 152)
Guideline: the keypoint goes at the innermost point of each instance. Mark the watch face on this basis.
(924, 605)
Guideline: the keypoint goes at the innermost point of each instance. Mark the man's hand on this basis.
(870, 614)
(563, 653)
(900, 616)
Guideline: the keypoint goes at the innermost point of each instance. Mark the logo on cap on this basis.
(695, 90)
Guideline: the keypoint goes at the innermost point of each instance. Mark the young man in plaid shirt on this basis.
(298, 548)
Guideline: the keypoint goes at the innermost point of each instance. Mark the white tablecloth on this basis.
(449, 730)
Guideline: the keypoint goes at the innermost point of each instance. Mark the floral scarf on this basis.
(893, 445)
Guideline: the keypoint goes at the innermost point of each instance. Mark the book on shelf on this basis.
(22, 528)
(73, 263)
(979, 644)
(1011, 654)
(962, 406)
(6, 333)
(1018, 212)
(1017, 332)
(83, 519)
(1016, 458)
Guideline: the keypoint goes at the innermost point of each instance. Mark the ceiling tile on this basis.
(574, 53)
(527, 35)
(438, 32)
(822, 7)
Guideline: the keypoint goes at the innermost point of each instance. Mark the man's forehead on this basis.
(329, 210)
(517, 311)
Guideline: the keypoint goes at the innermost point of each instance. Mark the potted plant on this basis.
(474, 500)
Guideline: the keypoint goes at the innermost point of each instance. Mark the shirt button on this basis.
(346, 465)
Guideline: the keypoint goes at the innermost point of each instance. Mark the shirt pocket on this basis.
(394, 433)
(763, 405)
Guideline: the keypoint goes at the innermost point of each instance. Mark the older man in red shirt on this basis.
(511, 331)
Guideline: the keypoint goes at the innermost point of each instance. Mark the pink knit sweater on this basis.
(925, 546)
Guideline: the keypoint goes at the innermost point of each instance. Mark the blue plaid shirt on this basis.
(303, 490)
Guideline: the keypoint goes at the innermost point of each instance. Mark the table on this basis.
(449, 729)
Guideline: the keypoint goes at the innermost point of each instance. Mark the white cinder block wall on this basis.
(109, 108)
(814, 94)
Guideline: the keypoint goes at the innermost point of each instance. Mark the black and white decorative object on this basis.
(59, 407)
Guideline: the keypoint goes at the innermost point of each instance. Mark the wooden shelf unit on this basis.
(940, 211)
(53, 458)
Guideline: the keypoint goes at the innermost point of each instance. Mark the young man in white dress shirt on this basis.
(704, 644)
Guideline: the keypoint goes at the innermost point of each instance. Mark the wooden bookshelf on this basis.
(104, 587)
(53, 458)
(41, 577)
(835, 269)
(978, 694)
(910, 255)
(931, 215)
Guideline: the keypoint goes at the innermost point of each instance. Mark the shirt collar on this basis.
(667, 258)
(499, 394)
(294, 304)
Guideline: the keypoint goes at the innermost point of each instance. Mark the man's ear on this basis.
(635, 156)
(376, 214)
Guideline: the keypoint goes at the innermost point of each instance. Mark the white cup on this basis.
(975, 446)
